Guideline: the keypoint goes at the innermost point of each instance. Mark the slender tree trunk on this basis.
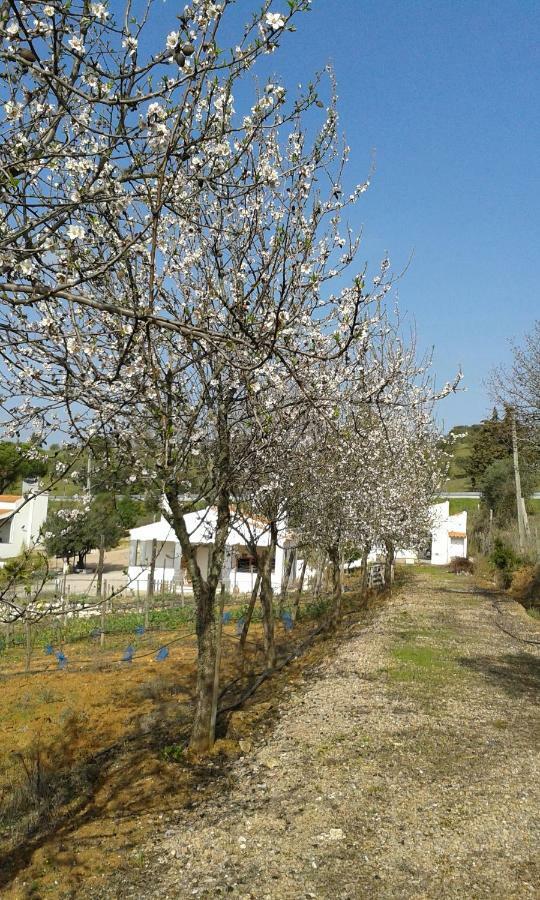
(319, 577)
(388, 563)
(364, 584)
(286, 579)
(150, 584)
(249, 613)
(215, 691)
(267, 597)
(299, 590)
(28, 636)
(337, 594)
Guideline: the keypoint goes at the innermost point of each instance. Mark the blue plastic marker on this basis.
(139, 630)
(48, 649)
(227, 616)
(239, 627)
(162, 654)
(287, 621)
(62, 660)
(128, 654)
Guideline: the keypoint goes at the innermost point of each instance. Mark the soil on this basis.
(399, 760)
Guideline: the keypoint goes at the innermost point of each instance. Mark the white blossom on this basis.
(275, 20)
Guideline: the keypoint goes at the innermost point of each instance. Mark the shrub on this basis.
(460, 564)
(525, 585)
(505, 560)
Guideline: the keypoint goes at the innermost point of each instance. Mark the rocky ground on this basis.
(404, 766)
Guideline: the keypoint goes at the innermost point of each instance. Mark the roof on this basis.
(10, 498)
(457, 534)
(6, 511)
(201, 528)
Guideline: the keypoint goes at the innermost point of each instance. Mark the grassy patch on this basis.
(421, 664)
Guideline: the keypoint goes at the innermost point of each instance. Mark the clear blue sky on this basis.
(447, 94)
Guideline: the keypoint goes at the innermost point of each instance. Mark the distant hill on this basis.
(460, 447)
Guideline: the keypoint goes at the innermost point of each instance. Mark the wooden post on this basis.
(28, 635)
(523, 525)
(100, 565)
(215, 695)
(102, 622)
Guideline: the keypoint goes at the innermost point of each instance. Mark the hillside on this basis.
(461, 437)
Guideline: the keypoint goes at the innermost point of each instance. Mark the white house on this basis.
(448, 540)
(240, 567)
(21, 518)
(448, 534)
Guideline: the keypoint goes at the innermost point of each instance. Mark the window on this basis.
(246, 564)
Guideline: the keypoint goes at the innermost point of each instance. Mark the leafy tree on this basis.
(23, 569)
(499, 488)
(18, 461)
(492, 441)
(74, 532)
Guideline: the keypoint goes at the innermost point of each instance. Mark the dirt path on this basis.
(406, 767)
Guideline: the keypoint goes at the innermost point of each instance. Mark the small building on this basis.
(240, 567)
(447, 541)
(21, 520)
(448, 534)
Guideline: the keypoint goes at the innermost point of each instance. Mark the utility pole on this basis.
(523, 524)
(89, 473)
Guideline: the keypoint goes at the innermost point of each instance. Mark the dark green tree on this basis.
(72, 533)
(492, 441)
(499, 488)
(15, 465)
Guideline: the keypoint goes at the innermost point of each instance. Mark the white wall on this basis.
(23, 529)
(166, 570)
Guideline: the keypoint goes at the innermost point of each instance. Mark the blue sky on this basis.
(446, 94)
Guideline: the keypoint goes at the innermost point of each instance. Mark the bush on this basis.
(484, 568)
(525, 585)
(460, 564)
(505, 560)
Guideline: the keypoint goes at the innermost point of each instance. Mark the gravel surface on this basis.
(406, 766)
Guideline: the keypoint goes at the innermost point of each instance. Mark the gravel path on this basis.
(406, 766)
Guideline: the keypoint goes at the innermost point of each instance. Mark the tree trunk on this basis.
(204, 597)
(364, 585)
(202, 739)
(28, 635)
(267, 597)
(150, 583)
(249, 613)
(388, 563)
(286, 579)
(319, 577)
(299, 590)
(333, 553)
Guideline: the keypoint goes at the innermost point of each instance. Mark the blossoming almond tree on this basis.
(169, 268)
(102, 132)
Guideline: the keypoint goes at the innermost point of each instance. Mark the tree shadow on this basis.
(518, 674)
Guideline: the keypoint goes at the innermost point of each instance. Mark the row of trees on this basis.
(179, 282)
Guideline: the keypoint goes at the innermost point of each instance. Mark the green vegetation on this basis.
(419, 663)
(19, 461)
(467, 504)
